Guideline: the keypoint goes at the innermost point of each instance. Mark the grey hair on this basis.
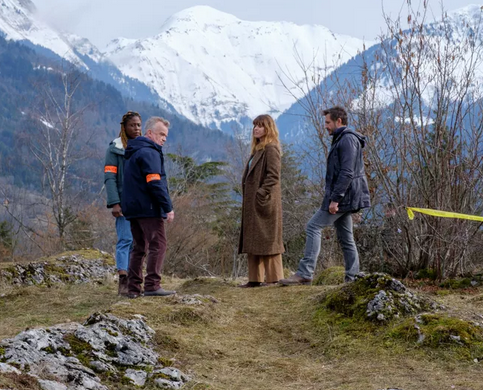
(153, 120)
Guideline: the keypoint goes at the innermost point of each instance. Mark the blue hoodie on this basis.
(145, 188)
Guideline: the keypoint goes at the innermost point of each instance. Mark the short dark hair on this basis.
(336, 113)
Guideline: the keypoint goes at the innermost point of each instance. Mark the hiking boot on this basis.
(295, 280)
(160, 292)
(122, 288)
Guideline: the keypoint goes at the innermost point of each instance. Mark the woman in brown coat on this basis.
(261, 227)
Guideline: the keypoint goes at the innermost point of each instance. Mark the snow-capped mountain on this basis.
(19, 22)
(459, 36)
(83, 47)
(214, 68)
(451, 53)
(206, 65)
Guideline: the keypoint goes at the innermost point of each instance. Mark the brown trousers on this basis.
(265, 268)
(148, 237)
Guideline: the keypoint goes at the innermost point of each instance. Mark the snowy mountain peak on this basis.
(215, 68)
(201, 15)
(118, 44)
(20, 6)
(16, 17)
(19, 21)
(472, 14)
(83, 46)
(471, 10)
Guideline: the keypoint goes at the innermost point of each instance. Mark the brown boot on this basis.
(122, 288)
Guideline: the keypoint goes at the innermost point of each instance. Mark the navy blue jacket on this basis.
(345, 180)
(145, 188)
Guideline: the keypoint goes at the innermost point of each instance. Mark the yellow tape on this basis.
(444, 214)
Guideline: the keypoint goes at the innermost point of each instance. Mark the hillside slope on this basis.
(263, 338)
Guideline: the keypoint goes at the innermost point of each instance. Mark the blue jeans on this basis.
(124, 243)
(343, 226)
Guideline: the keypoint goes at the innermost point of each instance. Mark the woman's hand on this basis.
(116, 210)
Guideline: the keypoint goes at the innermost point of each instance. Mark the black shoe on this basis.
(252, 284)
(160, 292)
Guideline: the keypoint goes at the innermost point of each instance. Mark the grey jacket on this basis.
(345, 180)
(114, 172)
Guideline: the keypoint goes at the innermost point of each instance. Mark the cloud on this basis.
(65, 15)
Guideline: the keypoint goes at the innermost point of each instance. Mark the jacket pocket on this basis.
(263, 202)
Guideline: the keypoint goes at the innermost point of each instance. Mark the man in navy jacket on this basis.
(146, 204)
(346, 192)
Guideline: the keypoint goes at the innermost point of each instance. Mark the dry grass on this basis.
(30, 307)
(254, 338)
(18, 382)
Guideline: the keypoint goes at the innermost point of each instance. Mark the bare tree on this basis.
(416, 95)
(55, 145)
(426, 142)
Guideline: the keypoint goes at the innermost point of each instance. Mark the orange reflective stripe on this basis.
(110, 169)
(153, 176)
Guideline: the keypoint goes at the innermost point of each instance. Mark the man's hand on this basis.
(116, 210)
(333, 207)
(170, 217)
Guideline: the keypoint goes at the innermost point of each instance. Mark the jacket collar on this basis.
(336, 135)
(116, 146)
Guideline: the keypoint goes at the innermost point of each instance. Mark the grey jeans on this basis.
(343, 226)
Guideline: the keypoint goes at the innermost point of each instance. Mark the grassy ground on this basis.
(265, 338)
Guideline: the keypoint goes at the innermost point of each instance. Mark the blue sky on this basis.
(103, 20)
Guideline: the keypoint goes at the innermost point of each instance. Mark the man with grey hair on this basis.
(147, 205)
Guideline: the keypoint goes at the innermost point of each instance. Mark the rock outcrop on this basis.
(94, 355)
(376, 297)
(71, 268)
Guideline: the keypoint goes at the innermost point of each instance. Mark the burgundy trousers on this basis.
(149, 237)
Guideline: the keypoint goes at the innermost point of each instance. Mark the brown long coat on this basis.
(261, 227)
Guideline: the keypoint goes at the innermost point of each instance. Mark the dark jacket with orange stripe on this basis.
(145, 188)
(113, 172)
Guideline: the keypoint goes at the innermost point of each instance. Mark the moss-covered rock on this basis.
(71, 267)
(73, 352)
(330, 277)
(376, 297)
(440, 331)
(86, 254)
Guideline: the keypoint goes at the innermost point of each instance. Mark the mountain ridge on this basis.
(215, 68)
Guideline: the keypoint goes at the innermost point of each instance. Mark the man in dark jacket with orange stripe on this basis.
(346, 192)
(146, 204)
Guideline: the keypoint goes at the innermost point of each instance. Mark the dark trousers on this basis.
(149, 237)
